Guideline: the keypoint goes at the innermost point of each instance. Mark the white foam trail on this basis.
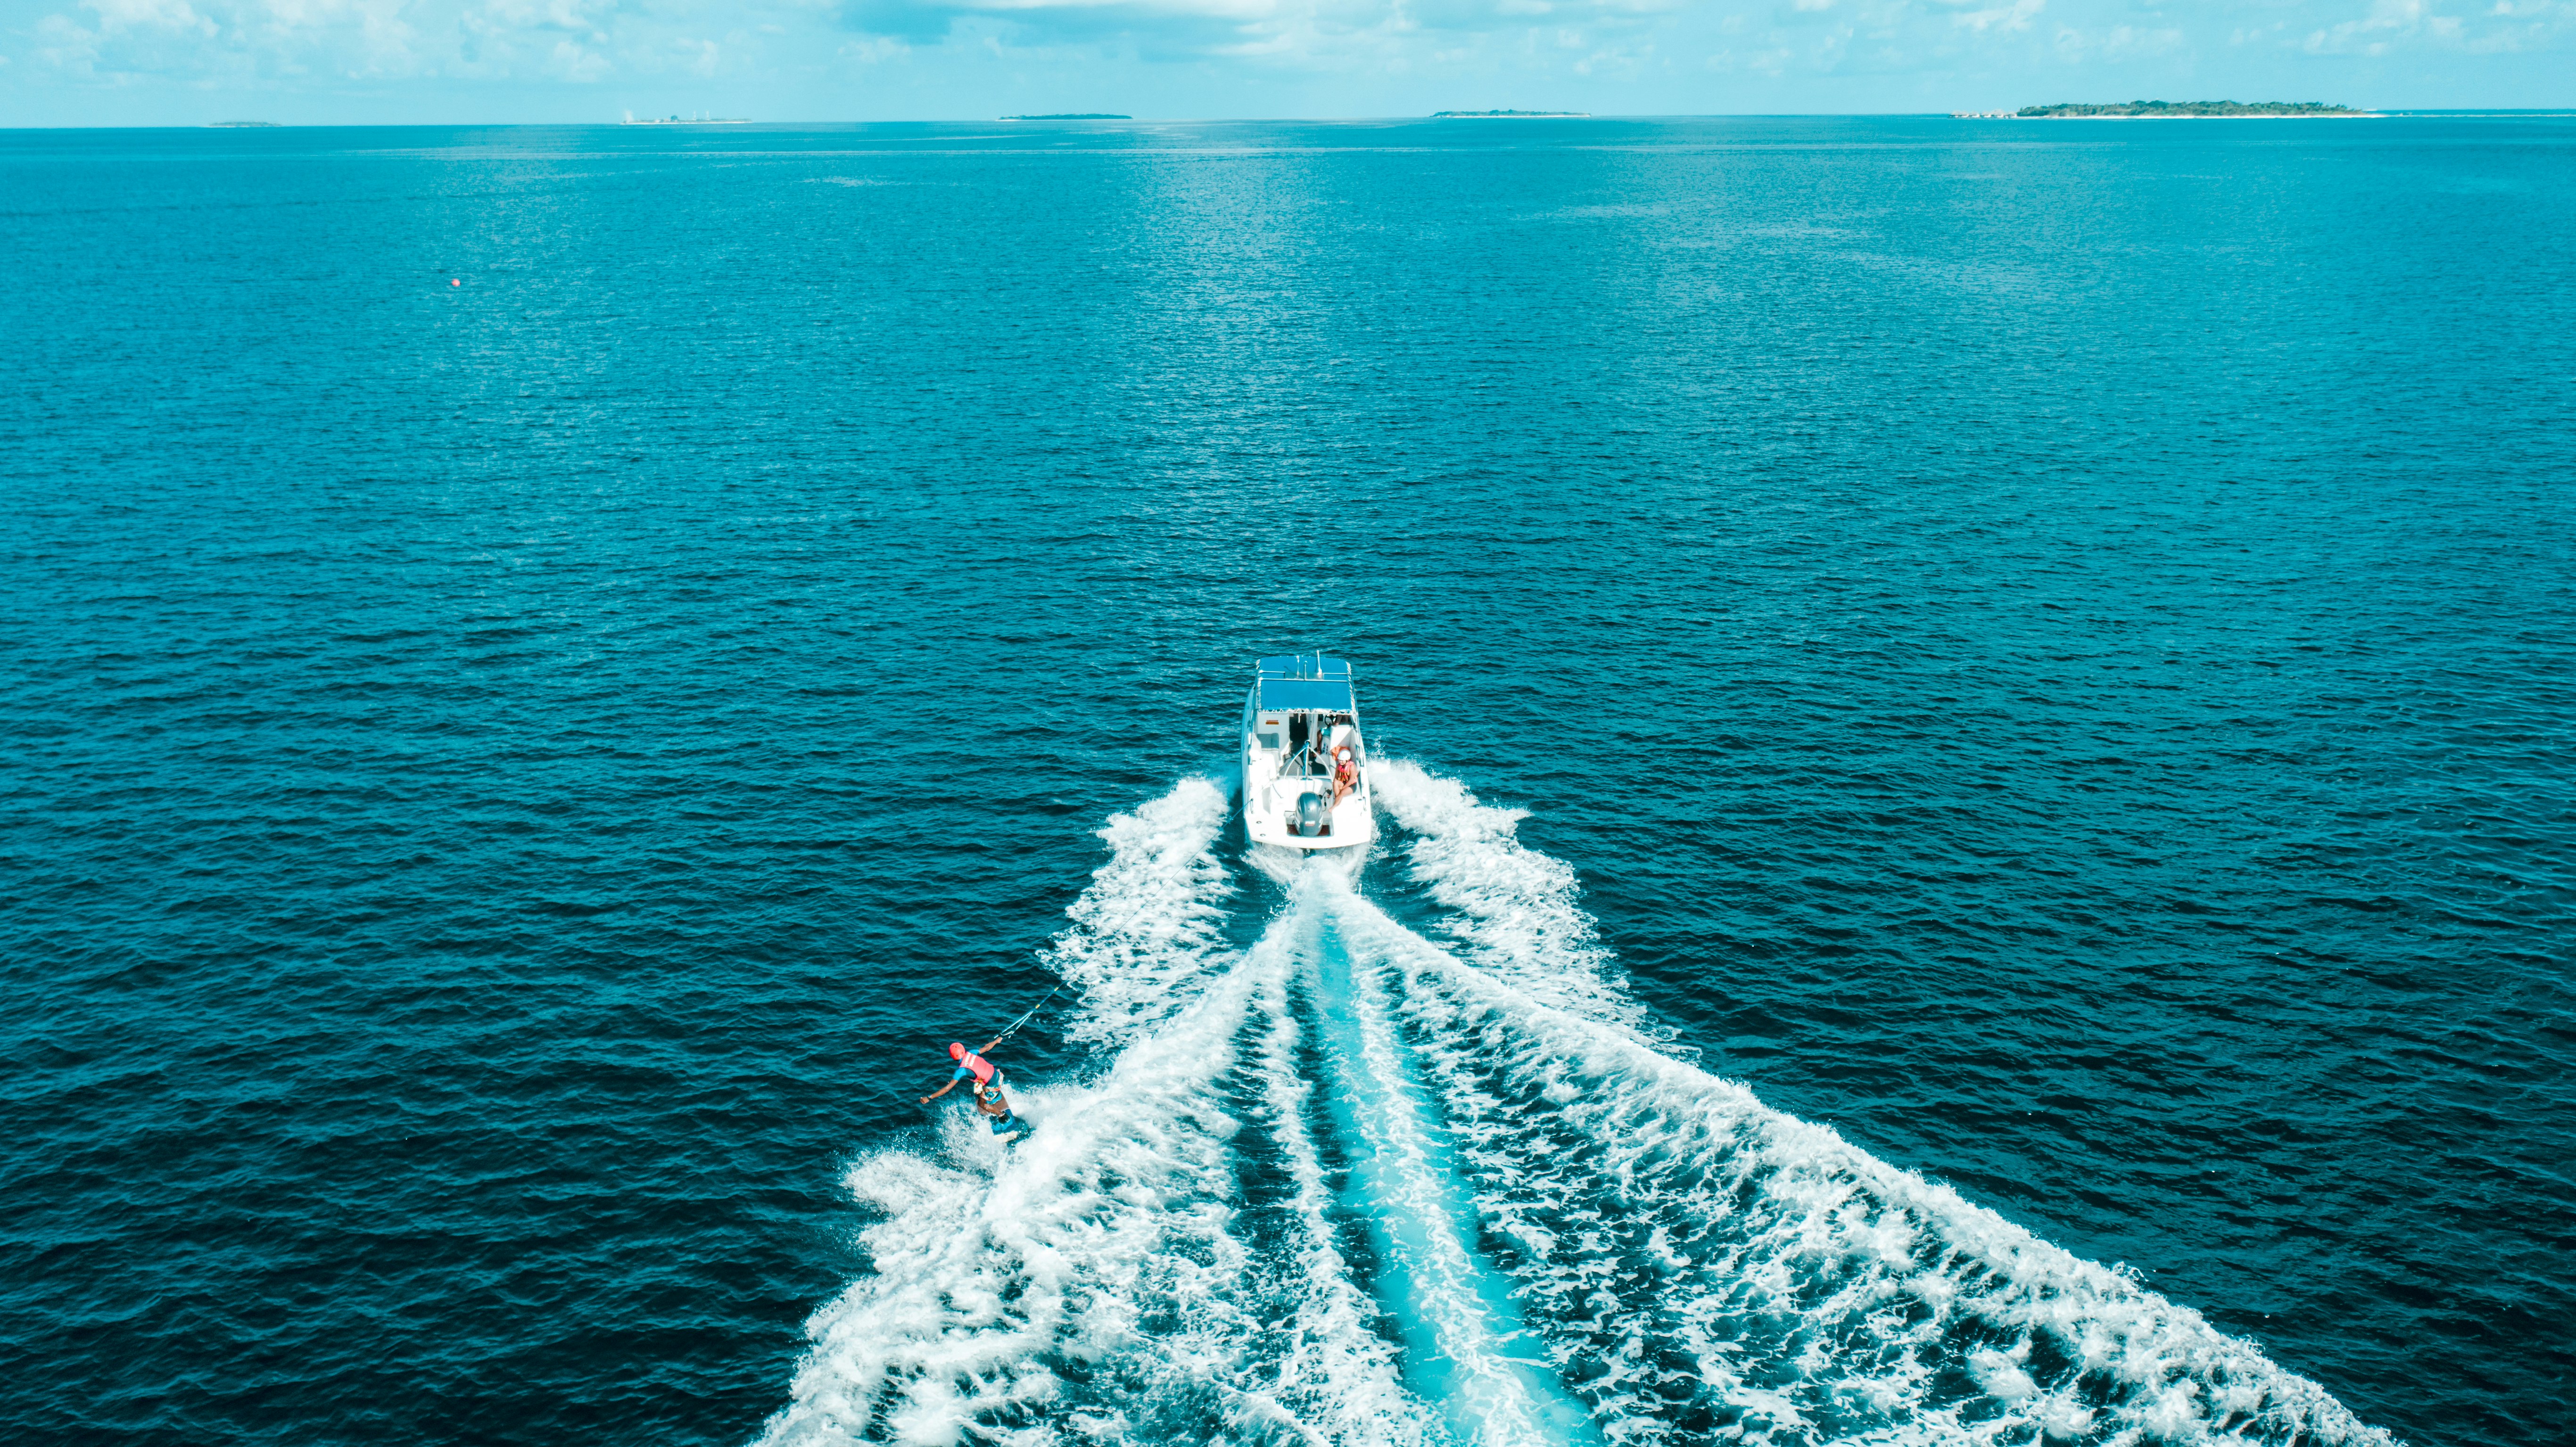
(1091, 1284)
(1700, 1267)
(1517, 916)
(986, 1284)
(1144, 936)
(993, 1273)
(1710, 1267)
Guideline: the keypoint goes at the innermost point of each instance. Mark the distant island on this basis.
(1511, 115)
(1073, 116)
(240, 125)
(2169, 108)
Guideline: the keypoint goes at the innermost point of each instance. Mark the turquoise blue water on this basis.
(1972, 754)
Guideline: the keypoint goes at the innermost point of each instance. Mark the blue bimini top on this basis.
(1304, 680)
(1329, 693)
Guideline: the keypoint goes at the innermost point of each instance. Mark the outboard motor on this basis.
(1310, 815)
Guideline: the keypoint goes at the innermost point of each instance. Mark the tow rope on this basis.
(1014, 1027)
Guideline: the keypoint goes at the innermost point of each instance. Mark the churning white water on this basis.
(1353, 1184)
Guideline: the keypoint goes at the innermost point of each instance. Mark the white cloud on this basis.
(577, 42)
(2388, 22)
(2076, 46)
(117, 15)
(2016, 16)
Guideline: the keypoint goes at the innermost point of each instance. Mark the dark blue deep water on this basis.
(2045, 648)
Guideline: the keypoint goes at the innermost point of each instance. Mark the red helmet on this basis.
(956, 1050)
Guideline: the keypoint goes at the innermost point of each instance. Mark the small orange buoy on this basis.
(455, 281)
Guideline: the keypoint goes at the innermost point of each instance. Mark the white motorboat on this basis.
(1305, 771)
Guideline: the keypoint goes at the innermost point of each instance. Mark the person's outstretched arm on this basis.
(943, 1090)
(996, 1040)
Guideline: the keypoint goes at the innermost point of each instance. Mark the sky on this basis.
(187, 62)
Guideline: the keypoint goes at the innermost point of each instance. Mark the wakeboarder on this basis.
(987, 1084)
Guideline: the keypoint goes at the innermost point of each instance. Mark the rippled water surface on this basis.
(1972, 742)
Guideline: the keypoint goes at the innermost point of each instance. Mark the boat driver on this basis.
(1346, 772)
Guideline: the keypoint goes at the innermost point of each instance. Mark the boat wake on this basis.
(1359, 1184)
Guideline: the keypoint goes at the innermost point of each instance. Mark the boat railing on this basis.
(1309, 761)
(1315, 761)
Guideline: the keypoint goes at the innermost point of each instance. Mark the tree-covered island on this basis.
(2185, 108)
(1511, 115)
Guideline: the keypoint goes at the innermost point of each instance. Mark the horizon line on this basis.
(256, 124)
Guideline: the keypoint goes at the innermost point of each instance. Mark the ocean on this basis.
(1969, 720)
